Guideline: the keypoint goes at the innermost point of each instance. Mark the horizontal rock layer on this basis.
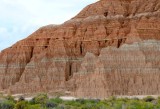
(128, 70)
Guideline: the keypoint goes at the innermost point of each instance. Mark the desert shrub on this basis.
(1, 95)
(123, 99)
(93, 100)
(56, 100)
(32, 101)
(35, 106)
(112, 98)
(147, 105)
(7, 105)
(133, 104)
(60, 107)
(88, 106)
(81, 101)
(21, 98)
(41, 99)
(73, 103)
(50, 104)
(158, 97)
(157, 106)
(149, 99)
(21, 105)
(118, 104)
(67, 107)
(10, 98)
(94, 106)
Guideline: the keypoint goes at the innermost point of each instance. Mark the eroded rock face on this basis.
(50, 58)
(128, 70)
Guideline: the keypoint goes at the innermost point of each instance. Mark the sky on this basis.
(20, 18)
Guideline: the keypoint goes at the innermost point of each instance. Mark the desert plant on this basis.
(81, 101)
(50, 105)
(21, 105)
(56, 100)
(41, 99)
(32, 101)
(7, 105)
(35, 106)
(149, 99)
(10, 98)
(94, 100)
(21, 98)
(112, 98)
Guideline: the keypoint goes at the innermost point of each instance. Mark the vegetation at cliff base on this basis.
(42, 101)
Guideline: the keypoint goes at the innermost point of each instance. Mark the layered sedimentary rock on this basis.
(50, 58)
(128, 70)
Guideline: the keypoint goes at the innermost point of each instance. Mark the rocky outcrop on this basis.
(50, 58)
(128, 70)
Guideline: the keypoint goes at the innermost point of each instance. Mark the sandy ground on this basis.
(69, 98)
(65, 98)
(16, 96)
(138, 96)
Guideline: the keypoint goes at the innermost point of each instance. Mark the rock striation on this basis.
(88, 55)
(128, 70)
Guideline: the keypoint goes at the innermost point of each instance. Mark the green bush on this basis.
(81, 101)
(74, 103)
(50, 105)
(148, 105)
(35, 106)
(112, 98)
(26, 105)
(7, 104)
(56, 100)
(149, 99)
(41, 99)
(21, 98)
(10, 98)
(21, 105)
(94, 100)
(32, 101)
(88, 106)
(1, 95)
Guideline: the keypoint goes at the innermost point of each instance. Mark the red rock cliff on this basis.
(52, 58)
